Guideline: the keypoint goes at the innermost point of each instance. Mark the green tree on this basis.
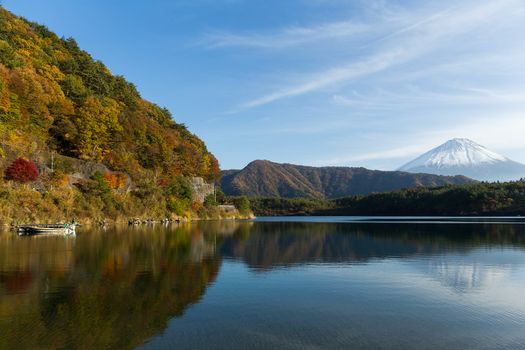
(180, 187)
(74, 88)
(242, 204)
(210, 201)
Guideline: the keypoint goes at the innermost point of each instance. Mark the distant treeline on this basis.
(462, 200)
(271, 206)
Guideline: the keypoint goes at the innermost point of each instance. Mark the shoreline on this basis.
(143, 221)
(354, 219)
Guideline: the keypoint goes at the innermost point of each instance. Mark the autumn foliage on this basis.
(111, 154)
(59, 179)
(116, 181)
(22, 170)
(55, 95)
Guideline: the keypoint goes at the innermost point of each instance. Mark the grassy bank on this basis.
(94, 202)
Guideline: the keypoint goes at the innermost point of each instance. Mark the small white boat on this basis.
(66, 229)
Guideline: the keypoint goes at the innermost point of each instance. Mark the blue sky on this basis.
(319, 82)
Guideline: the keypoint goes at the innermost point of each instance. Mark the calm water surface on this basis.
(278, 283)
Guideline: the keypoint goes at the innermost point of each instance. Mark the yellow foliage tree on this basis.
(97, 123)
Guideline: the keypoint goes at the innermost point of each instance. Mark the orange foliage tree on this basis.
(116, 181)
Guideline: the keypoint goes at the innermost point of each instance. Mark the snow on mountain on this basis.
(456, 152)
(468, 158)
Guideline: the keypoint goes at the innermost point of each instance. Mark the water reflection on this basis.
(473, 271)
(119, 288)
(271, 245)
(99, 290)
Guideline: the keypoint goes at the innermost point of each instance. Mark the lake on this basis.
(276, 283)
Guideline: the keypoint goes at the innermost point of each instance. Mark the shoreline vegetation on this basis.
(94, 202)
(480, 199)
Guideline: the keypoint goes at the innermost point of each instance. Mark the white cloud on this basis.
(288, 37)
(419, 36)
(413, 96)
(333, 76)
(382, 90)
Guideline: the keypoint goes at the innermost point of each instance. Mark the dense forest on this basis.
(276, 206)
(462, 200)
(55, 96)
(67, 114)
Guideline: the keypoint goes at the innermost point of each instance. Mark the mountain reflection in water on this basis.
(279, 244)
(121, 287)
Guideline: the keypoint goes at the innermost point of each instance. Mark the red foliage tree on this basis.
(22, 170)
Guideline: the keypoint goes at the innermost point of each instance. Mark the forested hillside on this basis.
(78, 141)
(468, 200)
(262, 178)
(56, 97)
(483, 199)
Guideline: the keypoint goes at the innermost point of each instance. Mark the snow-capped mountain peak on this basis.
(462, 156)
(456, 152)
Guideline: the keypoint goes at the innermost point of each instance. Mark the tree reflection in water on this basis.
(277, 244)
(119, 288)
(100, 290)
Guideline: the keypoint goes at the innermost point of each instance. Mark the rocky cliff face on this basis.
(201, 189)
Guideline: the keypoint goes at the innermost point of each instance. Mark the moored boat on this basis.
(55, 229)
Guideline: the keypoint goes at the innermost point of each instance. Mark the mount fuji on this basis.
(468, 158)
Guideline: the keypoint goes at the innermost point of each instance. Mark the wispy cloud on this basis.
(382, 86)
(417, 38)
(333, 76)
(416, 96)
(285, 38)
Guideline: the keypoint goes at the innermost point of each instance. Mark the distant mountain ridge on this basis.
(262, 178)
(462, 156)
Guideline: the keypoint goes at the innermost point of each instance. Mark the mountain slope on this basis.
(466, 157)
(56, 97)
(268, 179)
